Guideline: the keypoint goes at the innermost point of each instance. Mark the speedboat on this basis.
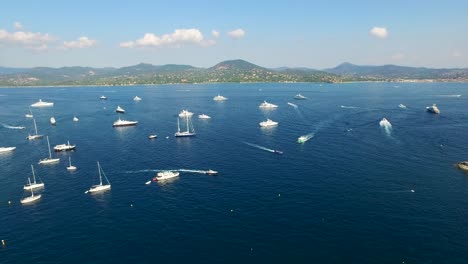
(433, 109)
(265, 104)
(219, 98)
(7, 149)
(203, 116)
(64, 147)
(75, 119)
(121, 122)
(277, 151)
(120, 110)
(185, 113)
(103, 97)
(136, 98)
(268, 123)
(41, 103)
(211, 172)
(152, 136)
(300, 97)
(385, 123)
(52, 121)
(164, 175)
(463, 165)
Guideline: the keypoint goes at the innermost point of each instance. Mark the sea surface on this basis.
(354, 193)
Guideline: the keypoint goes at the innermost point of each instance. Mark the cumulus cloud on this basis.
(215, 33)
(237, 34)
(177, 38)
(80, 43)
(31, 40)
(379, 32)
(18, 26)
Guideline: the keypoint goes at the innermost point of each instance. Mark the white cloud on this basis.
(18, 26)
(237, 34)
(177, 38)
(379, 32)
(215, 33)
(398, 56)
(80, 43)
(30, 40)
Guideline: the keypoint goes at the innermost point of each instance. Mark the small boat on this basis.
(6, 149)
(305, 138)
(211, 172)
(103, 97)
(185, 113)
(41, 103)
(34, 184)
(148, 182)
(31, 198)
(120, 123)
(300, 97)
(48, 160)
(203, 116)
(219, 98)
(100, 187)
(268, 123)
(152, 136)
(402, 106)
(120, 110)
(35, 135)
(385, 123)
(164, 175)
(265, 104)
(187, 133)
(70, 166)
(52, 121)
(463, 165)
(64, 147)
(75, 119)
(29, 115)
(136, 98)
(277, 151)
(433, 109)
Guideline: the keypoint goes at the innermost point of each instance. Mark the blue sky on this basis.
(316, 34)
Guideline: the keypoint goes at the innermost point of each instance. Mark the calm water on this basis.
(342, 197)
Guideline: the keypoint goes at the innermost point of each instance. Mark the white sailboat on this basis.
(31, 198)
(185, 133)
(100, 187)
(34, 184)
(35, 136)
(48, 160)
(29, 115)
(70, 166)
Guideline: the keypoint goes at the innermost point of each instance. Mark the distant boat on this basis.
(41, 103)
(70, 166)
(305, 138)
(31, 198)
(185, 133)
(103, 97)
(75, 119)
(52, 121)
(29, 115)
(34, 184)
(185, 113)
(211, 172)
(203, 116)
(152, 136)
(100, 187)
(277, 151)
(293, 105)
(120, 110)
(136, 98)
(121, 123)
(64, 147)
(265, 104)
(219, 98)
(164, 175)
(463, 165)
(402, 106)
(6, 149)
(35, 135)
(433, 109)
(49, 160)
(268, 123)
(300, 97)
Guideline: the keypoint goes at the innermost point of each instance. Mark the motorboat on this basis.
(385, 123)
(41, 103)
(305, 138)
(300, 97)
(152, 136)
(121, 122)
(219, 98)
(463, 165)
(136, 98)
(49, 160)
(70, 166)
(35, 135)
(34, 184)
(100, 187)
(75, 119)
(211, 172)
(6, 149)
(120, 110)
(52, 121)
(185, 113)
(103, 97)
(164, 175)
(31, 198)
(433, 109)
(402, 106)
(203, 116)
(265, 104)
(64, 147)
(277, 151)
(268, 123)
(186, 133)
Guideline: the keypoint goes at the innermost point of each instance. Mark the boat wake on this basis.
(449, 95)
(349, 107)
(293, 105)
(387, 126)
(263, 148)
(13, 127)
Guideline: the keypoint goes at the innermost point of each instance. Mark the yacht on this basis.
(64, 147)
(31, 198)
(52, 121)
(34, 184)
(7, 149)
(184, 133)
(35, 135)
(41, 103)
(268, 123)
(136, 98)
(211, 172)
(265, 104)
(49, 160)
(100, 187)
(219, 98)
(29, 115)
(75, 119)
(152, 136)
(203, 116)
(121, 122)
(70, 166)
(164, 175)
(433, 109)
(103, 97)
(300, 97)
(385, 123)
(120, 110)
(185, 113)
(463, 165)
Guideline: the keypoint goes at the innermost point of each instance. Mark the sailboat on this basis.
(35, 136)
(31, 198)
(34, 184)
(48, 160)
(100, 187)
(185, 133)
(70, 166)
(29, 115)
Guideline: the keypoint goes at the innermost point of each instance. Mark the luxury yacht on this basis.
(433, 109)
(136, 98)
(203, 116)
(186, 133)
(120, 110)
(265, 104)
(64, 147)
(41, 103)
(185, 113)
(121, 122)
(164, 175)
(300, 97)
(7, 149)
(103, 97)
(268, 123)
(219, 98)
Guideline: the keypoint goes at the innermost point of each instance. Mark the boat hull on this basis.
(33, 186)
(64, 148)
(124, 125)
(30, 199)
(32, 137)
(99, 188)
(184, 134)
(7, 149)
(48, 161)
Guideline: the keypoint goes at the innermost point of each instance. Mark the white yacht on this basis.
(31, 198)
(185, 113)
(64, 147)
(7, 149)
(187, 133)
(300, 97)
(219, 98)
(433, 109)
(136, 98)
(120, 123)
(164, 175)
(152, 136)
(268, 123)
(41, 103)
(120, 110)
(70, 166)
(265, 104)
(35, 135)
(100, 187)
(29, 115)
(48, 160)
(203, 116)
(103, 97)
(52, 121)
(34, 184)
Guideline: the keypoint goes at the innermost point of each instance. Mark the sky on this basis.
(314, 34)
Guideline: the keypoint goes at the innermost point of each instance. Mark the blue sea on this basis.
(354, 193)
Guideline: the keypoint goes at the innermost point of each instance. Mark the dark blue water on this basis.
(342, 197)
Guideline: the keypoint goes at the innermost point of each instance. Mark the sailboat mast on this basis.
(35, 126)
(48, 145)
(188, 130)
(100, 176)
(69, 161)
(32, 193)
(178, 126)
(34, 175)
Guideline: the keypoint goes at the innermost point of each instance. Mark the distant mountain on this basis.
(149, 68)
(236, 65)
